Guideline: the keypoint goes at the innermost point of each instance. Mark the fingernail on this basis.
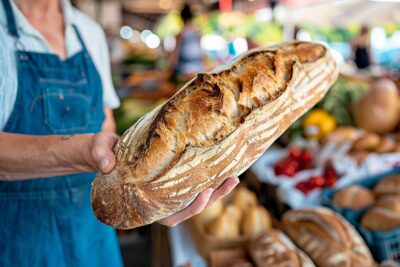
(237, 180)
(104, 163)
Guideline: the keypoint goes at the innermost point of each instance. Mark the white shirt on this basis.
(32, 40)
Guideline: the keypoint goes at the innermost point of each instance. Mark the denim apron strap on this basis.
(48, 222)
(11, 25)
(78, 34)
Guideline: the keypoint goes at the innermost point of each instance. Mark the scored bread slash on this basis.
(213, 128)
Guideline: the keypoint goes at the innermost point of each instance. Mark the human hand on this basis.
(101, 155)
(204, 199)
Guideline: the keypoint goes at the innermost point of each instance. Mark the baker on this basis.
(56, 123)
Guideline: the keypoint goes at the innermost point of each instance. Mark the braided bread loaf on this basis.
(215, 127)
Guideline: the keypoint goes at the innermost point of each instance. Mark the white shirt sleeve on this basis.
(8, 77)
(96, 43)
(110, 98)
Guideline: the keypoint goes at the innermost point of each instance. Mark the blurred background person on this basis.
(186, 60)
(361, 49)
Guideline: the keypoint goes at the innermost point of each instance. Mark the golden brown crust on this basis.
(380, 219)
(327, 238)
(388, 186)
(274, 248)
(389, 202)
(353, 197)
(215, 127)
(369, 141)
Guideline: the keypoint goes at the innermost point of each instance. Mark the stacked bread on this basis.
(365, 143)
(383, 203)
(385, 214)
(213, 128)
(239, 215)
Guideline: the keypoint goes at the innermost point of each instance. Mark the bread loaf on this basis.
(380, 219)
(256, 220)
(274, 248)
(388, 186)
(243, 198)
(213, 128)
(390, 202)
(353, 197)
(385, 216)
(327, 238)
(210, 213)
(223, 227)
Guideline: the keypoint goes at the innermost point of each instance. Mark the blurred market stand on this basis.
(142, 35)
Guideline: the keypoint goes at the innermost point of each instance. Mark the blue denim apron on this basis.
(49, 221)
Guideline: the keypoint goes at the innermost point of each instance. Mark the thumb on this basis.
(102, 151)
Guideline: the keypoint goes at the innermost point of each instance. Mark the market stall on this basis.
(313, 134)
(322, 175)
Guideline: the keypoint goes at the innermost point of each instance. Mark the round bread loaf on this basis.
(389, 202)
(388, 186)
(353, 197)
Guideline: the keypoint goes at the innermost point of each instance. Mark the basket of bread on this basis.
(304, 237)
(230, 223)
(372, 205)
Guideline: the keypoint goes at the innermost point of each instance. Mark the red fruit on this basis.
(303, 187)
(289, 171)
(330, 182)
(287, 167)
(294, 152)
(307, 165)
(317, 181)
(330, 172)
(306, 156)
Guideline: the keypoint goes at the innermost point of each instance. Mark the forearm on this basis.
(28, 156)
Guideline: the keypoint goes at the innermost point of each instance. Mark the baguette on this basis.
(213, 128)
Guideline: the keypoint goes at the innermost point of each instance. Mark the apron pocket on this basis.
(67, 111)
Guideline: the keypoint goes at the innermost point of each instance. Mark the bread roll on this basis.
(274, 248)
(243, 198)
(353, 197)
(388, 186)
(234, 213)
(256, 220)
(380, 219)
(213, 128)
(223, 227)
(344, 134)
(389, 202)
(210, 213)
(387, 145)
(327, 238)
(368, 141)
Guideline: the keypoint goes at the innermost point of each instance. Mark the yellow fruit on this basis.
(318, 123)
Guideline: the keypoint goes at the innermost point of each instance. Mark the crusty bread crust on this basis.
(215, 127)
(327, 238)
(274, 248)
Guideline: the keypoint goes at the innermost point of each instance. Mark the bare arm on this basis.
(109, 121)
(28, 156)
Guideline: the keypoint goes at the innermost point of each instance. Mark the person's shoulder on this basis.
(86, 24)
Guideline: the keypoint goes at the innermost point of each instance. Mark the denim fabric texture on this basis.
(49, 221)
